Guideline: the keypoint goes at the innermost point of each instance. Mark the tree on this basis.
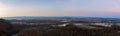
(5, 27)
(30, 32)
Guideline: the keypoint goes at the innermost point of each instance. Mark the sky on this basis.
(95, 8)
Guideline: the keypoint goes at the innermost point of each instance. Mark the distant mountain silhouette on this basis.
(58, 17)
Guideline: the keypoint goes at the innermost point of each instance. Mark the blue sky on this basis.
(98, 8)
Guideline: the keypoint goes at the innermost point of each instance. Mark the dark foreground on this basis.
(55, 28)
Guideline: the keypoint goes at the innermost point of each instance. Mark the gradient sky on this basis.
(97, 8)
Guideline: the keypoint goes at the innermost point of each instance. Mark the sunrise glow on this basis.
(99, 8)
